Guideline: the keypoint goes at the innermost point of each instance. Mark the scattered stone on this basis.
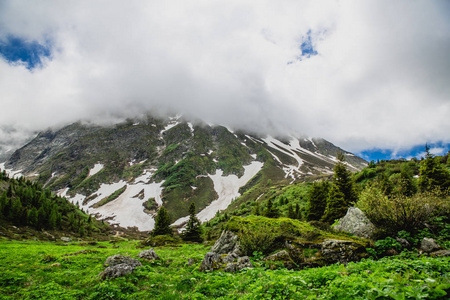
(190, 262)
(55, 265)
(441, 253)
(227, 243)
(66, 239)
(78, 252)
(119, 265)
(390, 252)
(356, 223)
(149, 255)
(429, 245)
(403, 242)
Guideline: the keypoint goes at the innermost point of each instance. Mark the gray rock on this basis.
(229, 258)
(337, 251)
(119, 265)
(149, 255)
(241, 263)
(283, 255)
(116, 271)
(66, 239)
(403, 242)
(244, 262)
(441, 253)
(356, 223)
(429, 245)
(227, 243)
(231, 268)
(191, 261)
(211, 262)
(122, 259)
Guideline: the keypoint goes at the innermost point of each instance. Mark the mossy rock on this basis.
(267, 235)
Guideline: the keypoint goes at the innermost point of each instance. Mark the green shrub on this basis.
(400, 212)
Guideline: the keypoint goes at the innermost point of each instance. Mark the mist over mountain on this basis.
(124, 172)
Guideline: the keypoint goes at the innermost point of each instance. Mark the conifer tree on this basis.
(32, 218)
(317, 200)
(271, 211)
(406, 185)
(291, 213)
(432, 174)
(193, 231)
(162, 223)
(342, 193)
(256, 210)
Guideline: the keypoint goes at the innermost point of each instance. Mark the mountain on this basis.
(124, 172)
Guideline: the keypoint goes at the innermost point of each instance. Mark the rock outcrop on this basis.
(227, 243)
(356, 223)
(119, 265)
(225, 254)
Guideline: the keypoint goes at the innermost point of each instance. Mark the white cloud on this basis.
(380, 78)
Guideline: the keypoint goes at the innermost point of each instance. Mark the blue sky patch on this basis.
(307, 46)
(416, 151)
(29, 53)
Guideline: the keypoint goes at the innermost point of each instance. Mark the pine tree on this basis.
(432, 174)
(291, 213)
(271, 211)
(32, 218)
(193, 231)
(162, 223)
(317, 200)
(256, 210)
(336, 207)
(298, 213)
(342, 193)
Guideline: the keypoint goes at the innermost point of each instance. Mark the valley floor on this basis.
(40, 270)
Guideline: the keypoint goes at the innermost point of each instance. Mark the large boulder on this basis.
(356, 223)
(119, 265)
(227, 243)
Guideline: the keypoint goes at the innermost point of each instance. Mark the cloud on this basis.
(378, 79)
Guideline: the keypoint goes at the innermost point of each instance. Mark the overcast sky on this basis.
(362, 74)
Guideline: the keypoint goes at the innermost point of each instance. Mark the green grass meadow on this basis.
(40, 270)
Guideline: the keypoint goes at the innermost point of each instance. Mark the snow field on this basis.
(97, 168)
(126, 210)
(227, 187)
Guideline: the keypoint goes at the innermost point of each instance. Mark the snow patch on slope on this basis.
(227, 187)
(97, 168)
(10, 172)
(127, 210)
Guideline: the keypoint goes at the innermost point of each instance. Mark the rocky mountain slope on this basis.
(124, 172)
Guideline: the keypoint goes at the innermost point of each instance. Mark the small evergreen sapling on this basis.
(193, 231)
(162, 223)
